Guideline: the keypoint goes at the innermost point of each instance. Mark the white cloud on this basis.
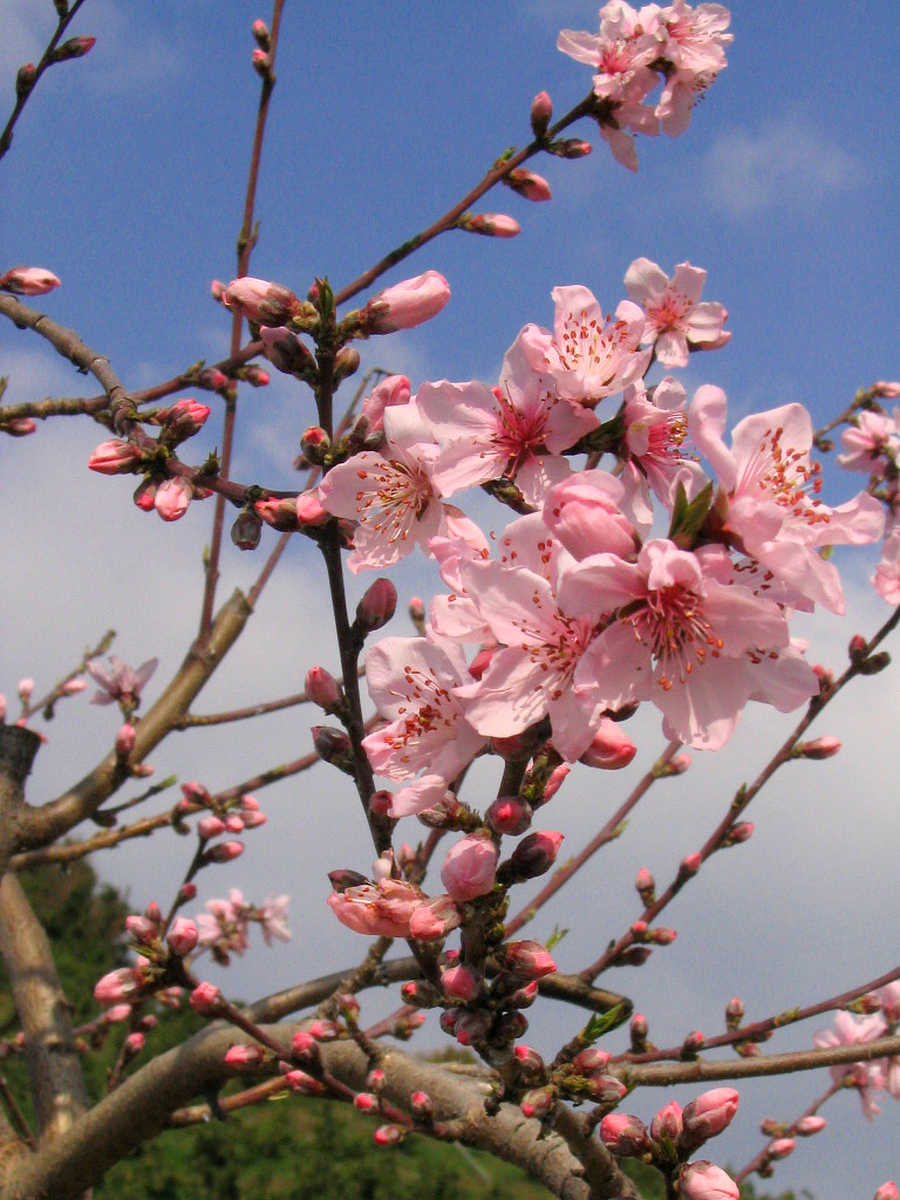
(788, 163)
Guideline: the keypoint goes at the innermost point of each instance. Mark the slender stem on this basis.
(246, 242)
(608, 833)
(449, 219)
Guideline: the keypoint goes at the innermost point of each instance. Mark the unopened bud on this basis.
(212, 379)
(605, 1089)
(255, 376)
(416, 610)
(570, 148)
(808, 1126)
(247, 530)
(322, 688)
(857, 648)
(406, 304)
(284, 349)
(375, 1080)
(20, 427)
(823, 747)
(638, 1032)
(377, 606)
(528, 184)
(490, 224)
(541, 114)
(707, 1116)
(419, 993)
(509, 814)
(527, 959)
(388, 1135)
(781, 1148)
(692, 1044)
(333, 746)
(25, 77)
(206, 999)
(244, 1055)
(689, 866)
(346, 363)
(75, 47)
(632, 956)
(887, 1191)
(260, 300)
(261, 33)
(645, 885)
(344, 878)
(125, 740)
(182, 936)
(224, 852)
(591, 1060)
(662, 935)
(461, 984)
(278, 514)
(421, 1106)
(875, 663)
(538, 1102)
(666, 1126)
(315, 444)
(114, 457)
(262, 63)
(734, 1012)
(704, 1180)
(741, 832)
(623, 1134)
(327, 1031)
(534, 855)
(25, 688)
(557, 776)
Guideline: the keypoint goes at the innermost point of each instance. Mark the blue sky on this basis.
(126, 178)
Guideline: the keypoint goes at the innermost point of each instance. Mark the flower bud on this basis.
(666, 1126)
(528, 184)
(261, 33)
(210, 827)
(623, 1134)
(875, 663)
(421, 1106)
(346, 363)
(261, 62)
(134, 1044)
(25, 80)
(781, 1147)
(611, 748)
(322, 688)
(707, 1116)
(534, 855)
(28, 281)
(183, 419)
(490, 224)
(692, 1044)
(284, 350)
(143, 929)
(212, 379)
(689, 866)
(541, 114)
(530, 1062)
(387, 1135)
(375, 1080)
(638, 1032)
(261, 301)
(538, 1102)
(571, 148)
(114, 457)
(75, 47)
(857, 648)
(605, 1089)
(527, 959)
(125, 740)
(122, 984)
(419, 993)
(20, 427)
(343, 879)
(377, 606)
(406, 304)
(469, 867)
(734, 1013)
(244, 1055)
(278, 514)
(662, 936)
(182, 936)
(469, 1028)
(25, 688)
(807, 1126)
(333, 746)
(173, 497)
(645, 885)
(309, 510)
(887, 1191)
(247, 530)
(224, 852)
(461, 984)
(741, 832)
(327, 1031)
(822, 747)
(509, 814)
(365, 1102)
(523, 997)
(591, 1060)
(706, 1181)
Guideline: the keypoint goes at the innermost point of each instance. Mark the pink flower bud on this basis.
(234, 823)
(509, 814)
(261, 33)
(690, 865)
(807, 1126)
(662, 936)
(224, 852)
(284, 349)
(461, 984)
(434, 919)
(535, 854)
(538, 1102)
(145, 494)
(73, 687)
(741, 832)
(365, 1102)
(118, 1012)
(20, 427)
(25, 688)
(261, 301)
(421, 1105)
(528, 184)
(29, 281)
(406, 304)
(387, 1135)
(666, 1126)
(591, 1060)
(255, 376)
(134, 1044)
(490, 225)
(25, 78)
(541, 114)
(325, 1031)
(185, 418)
(210, 827)
(645, 885)
(890, 389)
(141, 770)
(679, 764)
(125, 740)
(605, 1089)
(611, 748)
(212, 379)
(469, 1028)
(244, 1055)
(303, 1084)
(781, 1147)
(262, 63)
(481, 661)
(333, 746)
(692, 1043)
(527, 959)
(377, 606)
(322, 688)
(708, 1115)
(887, 1191)
(375, 1080)
(623, 1134)
(734, 1012)
(142, 929)
(246, 530)
(706, 1181)
(638, 1029)
(75, 47)
(572, 148)
(173, 497)
(823, 747)
(114, 457)
(121, 984)
(469, 867)
(182, 936)
(529, 1060)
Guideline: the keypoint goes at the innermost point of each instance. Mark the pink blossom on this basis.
(382, 909)
(490, 224)
(675, 318)
(772, 488)
(173, 496)
(585, 512)
(592, 356)
(849, 1030)
(668, 1123)
(528, 959)
(708, 1115)
(182, 936)
(389, 494)
(134, 1043)
(469, 867)
(406, 304)
(886, 579)
(678, 637)
(412, 682)
(705, 1181)
(655, 432)
(871, 443)
(887, 1191)
(28, 281)
(119, 681)
(122, 984)
(434, 919)
(621, 52)
(272, 918)
(261, 301)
